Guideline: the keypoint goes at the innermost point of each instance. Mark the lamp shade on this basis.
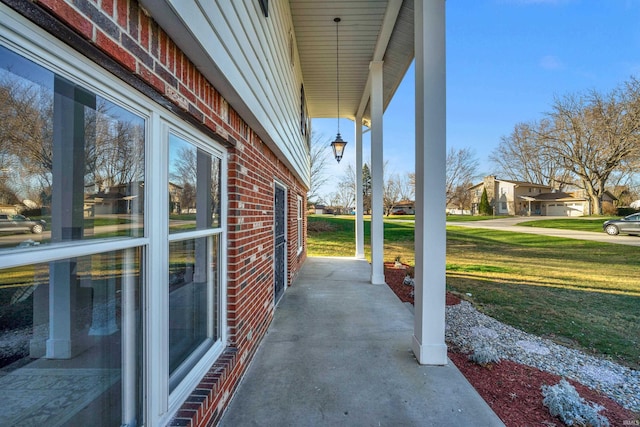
(338, 147)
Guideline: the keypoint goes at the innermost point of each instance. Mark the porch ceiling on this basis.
(370, 30)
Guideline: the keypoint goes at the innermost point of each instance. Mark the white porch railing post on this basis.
(377, 175)
(430, 233)
(359, 194)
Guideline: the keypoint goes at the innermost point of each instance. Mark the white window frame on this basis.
(300, 223)
(186, 386)
(28, 40)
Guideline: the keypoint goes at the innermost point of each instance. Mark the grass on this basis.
(469, 218)
(578, 224)
(580, 293)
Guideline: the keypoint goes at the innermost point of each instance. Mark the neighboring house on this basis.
(319, 209)
(453, 210)
(405, 207)
(8, 209)
(150, 313)
(509, 197)
(117, 199)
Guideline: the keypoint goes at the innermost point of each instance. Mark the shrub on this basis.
(35, 212)
(408, 281)
(608, 208)
(626, 211)
(485, 208)
(411, 271)
(484, 354)
(320, 226)
(565, 403)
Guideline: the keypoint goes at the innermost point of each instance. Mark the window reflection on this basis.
(194, 187)
(69, 159)
(193, 284)
(64, 366)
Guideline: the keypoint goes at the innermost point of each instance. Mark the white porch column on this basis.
(359, 196)
(430, 234)
(377, 175)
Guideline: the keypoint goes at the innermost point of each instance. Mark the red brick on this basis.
(149, 77)
(116, 51)
(71, 16)
(145, 36)
(122, 14)
(108, 6)
(134, 11)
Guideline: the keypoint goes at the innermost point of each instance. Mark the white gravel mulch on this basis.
(467, 327)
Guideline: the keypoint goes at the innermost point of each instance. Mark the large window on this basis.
(194, 191)
(73, 169)
(112, 243)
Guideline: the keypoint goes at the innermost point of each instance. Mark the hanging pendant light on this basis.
(339, 144)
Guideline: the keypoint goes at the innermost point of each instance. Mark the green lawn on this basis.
(469, 218)
(580, 293)
(579, 224)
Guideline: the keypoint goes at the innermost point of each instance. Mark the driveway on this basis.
(511, 224)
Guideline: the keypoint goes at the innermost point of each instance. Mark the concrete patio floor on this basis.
(338, 353)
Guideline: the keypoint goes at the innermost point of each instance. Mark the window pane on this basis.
(71, 162)
(65, 367)
(193, 284)
(194, 187)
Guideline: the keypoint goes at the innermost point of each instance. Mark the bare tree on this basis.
(344, 197)
(407, 186)
(411, 177)
(461, 197)
(26, 114)
(594, 134)
(113, 144)
(522, 156)
(391, 194)
(114, 147)
(318, 157)
(461, 169)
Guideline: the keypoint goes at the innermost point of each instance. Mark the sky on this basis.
(507, 60)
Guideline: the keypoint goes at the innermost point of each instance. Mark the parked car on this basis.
(630, 224)
(16, 223)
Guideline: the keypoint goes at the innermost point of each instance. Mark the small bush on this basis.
(320, 226)
(35, 212)
(626, 211)
(609, 209)
(565, 403)
(411, 271)
(484, 354)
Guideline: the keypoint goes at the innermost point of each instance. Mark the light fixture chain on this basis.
(338, 72)
(339, 144)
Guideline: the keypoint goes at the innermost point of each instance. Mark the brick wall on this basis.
(136, 46)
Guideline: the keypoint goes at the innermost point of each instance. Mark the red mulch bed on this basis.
(513, 390)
